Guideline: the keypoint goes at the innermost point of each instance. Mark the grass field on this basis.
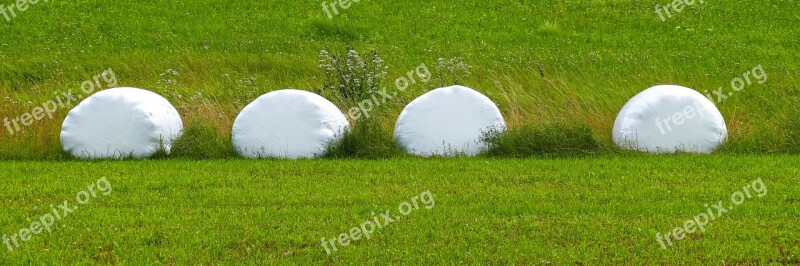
(559, 71)
(541, 61)
(565, 211)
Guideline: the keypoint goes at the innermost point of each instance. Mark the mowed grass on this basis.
(542, 62)
(563, 211)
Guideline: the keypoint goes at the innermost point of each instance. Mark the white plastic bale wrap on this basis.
(288, 124)
(448, 121)
(669, 119)
(120, 123)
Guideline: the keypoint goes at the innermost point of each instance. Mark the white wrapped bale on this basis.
(288, 124)
(446, 122)
(669, 119)
(120, 123)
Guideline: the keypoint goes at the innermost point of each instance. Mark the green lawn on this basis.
(587, 211)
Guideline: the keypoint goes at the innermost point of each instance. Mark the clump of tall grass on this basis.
(791, 139)
(451, 71)
(367, 139)
(351, 76)
(202, 141)
(546, 140)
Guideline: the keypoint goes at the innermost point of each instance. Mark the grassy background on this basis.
(602, 210)
(559, 71)
(542, 61)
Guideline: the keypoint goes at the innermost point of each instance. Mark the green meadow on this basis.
(540, 61)
(604, 210)
(556, 191)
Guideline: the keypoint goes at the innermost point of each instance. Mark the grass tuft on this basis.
(547, 140)
(202, 141)
(339, 31)
(367, 139)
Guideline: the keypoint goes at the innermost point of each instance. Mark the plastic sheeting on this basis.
(120, 123)
(288, 124)
(447, 121)
(669, 119)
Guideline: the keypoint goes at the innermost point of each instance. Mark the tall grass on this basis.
(546, 140)
(350, 75)
(202, 141)
(367, 139)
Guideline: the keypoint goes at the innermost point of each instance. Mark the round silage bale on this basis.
(447, 122)
(288, 124)
(120, 123)
(669, 119)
